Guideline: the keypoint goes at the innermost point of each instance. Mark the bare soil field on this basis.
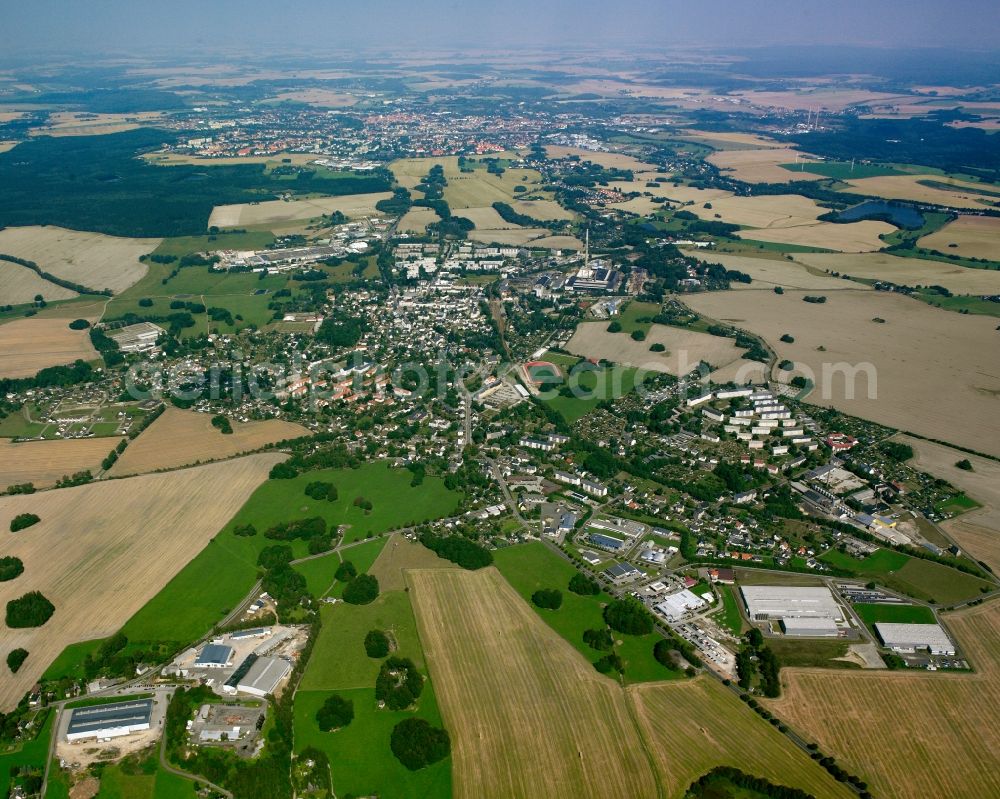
(180, 438)
(973, 237)
(29, 345)
(102, 550)
(821, 99)
(485, 218)
(545, 210)
(906, 271)
(764, 211)
(977, 531)
(277, 211)
(400, 555)
(90, 259)
(609, 160)
(690, 194)
(685, 348)
(768, 271)
(18, 285)
(850, 237)
(517, 237)
(44, 462)
(761, 166)
(321, 98)
(558, 243)
(5, 146)
(727, 137)
(416, 220)
(497, 667)
(910, 735)
(906, 187)
(936, 372)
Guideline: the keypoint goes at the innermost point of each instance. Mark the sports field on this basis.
(914, 734)
(30, 345)
(492, 661)
(90, 259)
(44, 462)
(102, 550)
(179, 438)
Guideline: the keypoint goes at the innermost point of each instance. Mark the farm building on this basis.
(109, 721)
(264, 676)
(810, 627)
(774, 602)
(911, 637)
(214, 656)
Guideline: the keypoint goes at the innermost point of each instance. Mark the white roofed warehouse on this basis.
(109, 721)
(777, 602)
(911, 637)
(264, 676)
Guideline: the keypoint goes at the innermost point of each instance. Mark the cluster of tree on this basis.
(340, 331)
(584, 585)
(416, 744)
(363, 503)
(52, 376)
(335, 713)
(609, 663)
(722, 779)
(15, 658)
(376, 644)
(600, 640)
(345, 571)
(75, 479)
(30, 610)
(508, 214)
(398, 204)
(361, 590)
(628, 616)
(897, 451)
(245, 530)
(23, 520)
(319, 490)
(467, 554)
(21, 488)
(548, 598)
(814, 299)
(398, 684)
(767, 666)
(79, 324)
(965, 465)
(10, 567)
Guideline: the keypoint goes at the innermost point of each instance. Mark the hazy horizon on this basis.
(137, 27)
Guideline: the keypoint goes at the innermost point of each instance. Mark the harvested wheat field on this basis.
(544, 210)
(272, 212)
(850, 237)
(906, 271)
(732, 138)
(910, 735)
(320, 98)
(978, 530)
(180, 438)
(499, 670)
(935, 371)
(761, 166)
(416, 220)
(29, 345)
(102, 550)
(271, 161)
(684, 348)
(765, 211)
(44, 462)
(607, 160)
(693, 195)
(485, 218)
(400, 555)
(90, 259)
(515, 237)
(18, 285)
(972, 237)
(767, 271)
(74, 123)
(558, 243)
(908, 187)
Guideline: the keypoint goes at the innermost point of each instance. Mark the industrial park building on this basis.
(778, 602)
(214, 656)
(264, 676)
(911, 637)
(809, 627)
(109, 721)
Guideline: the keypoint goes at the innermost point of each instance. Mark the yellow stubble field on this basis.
(29, 345)
(972, 237)
(44, 462)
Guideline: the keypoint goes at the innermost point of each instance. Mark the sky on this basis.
(188, 27)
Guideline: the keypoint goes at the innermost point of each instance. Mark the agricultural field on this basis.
(73, 123)
(320, 98)
(821, 653)
(905, 271)
(967, 236)
(904, 366)
(485, 218)
(416, 220)
(910, 187)
(179, 438)
(20, 285)
(848, 237)
(543, 210)
(684, 348)
(940, 737)
(44, 462)
(29, 345)
(223, 572)
(515, 237)
(491, 657)
(530, 567)
(400, 554)
(691, 195)
(557, 243)
(607, 160)
(764, 211)
(360, 759)
(276, 212)
(768, 271)
(760, 166)
(102, 550)
(90, 259)
(269, 161)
